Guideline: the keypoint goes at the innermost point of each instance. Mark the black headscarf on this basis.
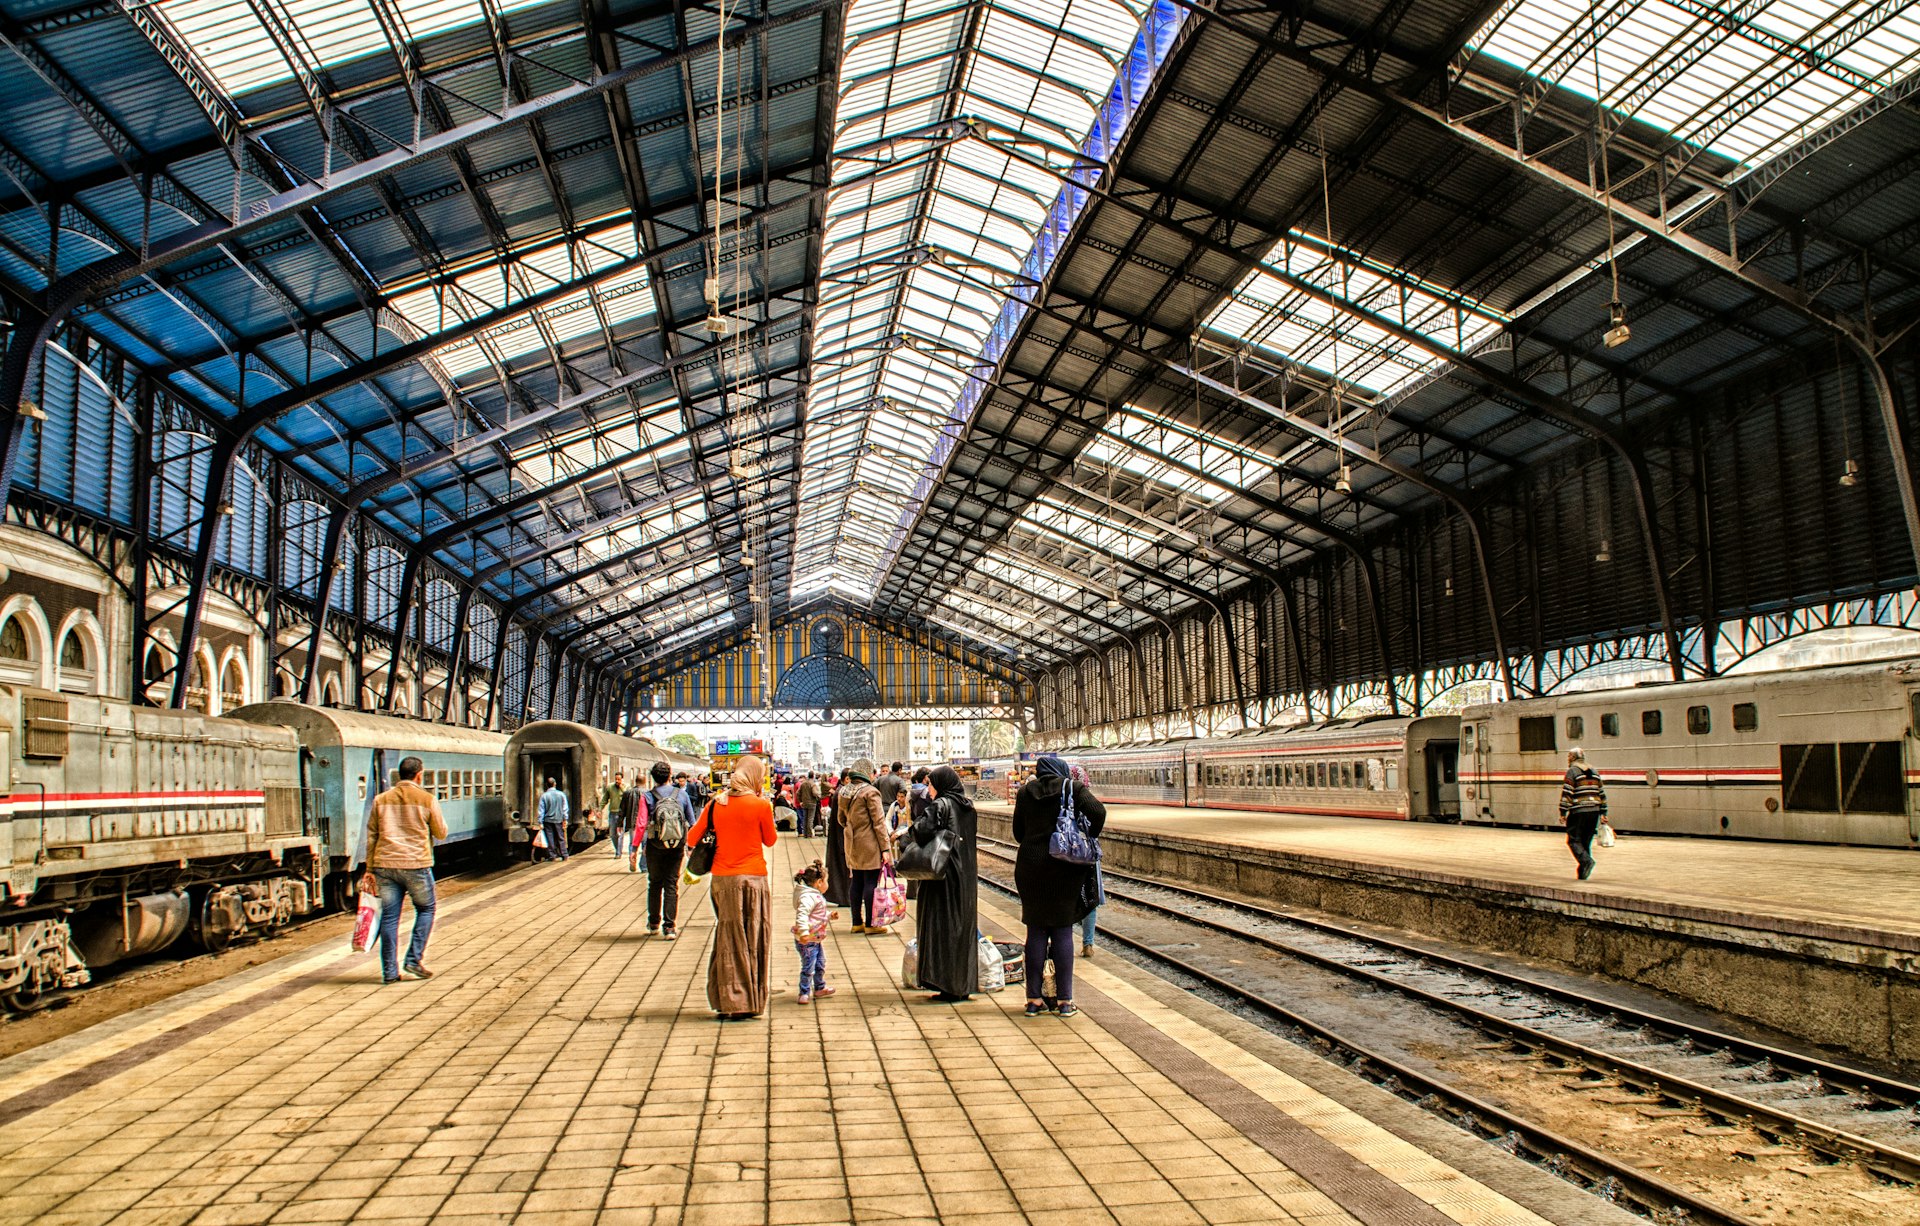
(1053, 766)
(946, 781)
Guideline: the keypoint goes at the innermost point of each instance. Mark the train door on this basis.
(1442, 780)
(1196, 781)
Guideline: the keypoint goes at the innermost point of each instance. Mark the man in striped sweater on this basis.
(1583, 805)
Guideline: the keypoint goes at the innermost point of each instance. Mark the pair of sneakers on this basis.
(806, 998)
(654, 930)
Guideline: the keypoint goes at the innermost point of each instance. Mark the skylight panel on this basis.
(716, 622)
(435, 308)
(1038, 70)
(671, 580)
(1083, 530)
(1232, 468)
(230, 42)
(1270, 314)
(546, 460)
(1746, 82)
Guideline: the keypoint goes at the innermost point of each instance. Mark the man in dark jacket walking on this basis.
(1583, 806)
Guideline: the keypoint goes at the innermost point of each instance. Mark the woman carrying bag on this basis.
(868, 845)
(742, 821)
(940, 843)
(1055, 893)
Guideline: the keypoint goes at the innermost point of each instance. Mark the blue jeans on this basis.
(1087, 927)
(414, 883)
(556, 839)
(813, 966)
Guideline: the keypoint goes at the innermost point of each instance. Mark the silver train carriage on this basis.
(127, 827)
(582, 760)
(349, 757)
(1821, 754)
(1383, 766)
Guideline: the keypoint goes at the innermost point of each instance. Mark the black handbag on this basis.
(700, 859)
(928, 861)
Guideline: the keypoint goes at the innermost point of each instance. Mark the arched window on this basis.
(197, 696)
(513, 676)
(13, 642)
(180, 471)
(77, 663)
(330, 690)
(233, 685)
(83, 453)
(542, 678)
(483, 624)
(303, 538)
(153, 671)
(384, 568)
(244, 519)
(441, 604)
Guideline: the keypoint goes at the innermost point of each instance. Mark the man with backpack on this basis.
(670, 814)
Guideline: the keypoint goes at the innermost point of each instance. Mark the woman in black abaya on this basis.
(839, 889)
(947, 922)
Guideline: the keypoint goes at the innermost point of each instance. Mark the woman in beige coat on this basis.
(867, 841)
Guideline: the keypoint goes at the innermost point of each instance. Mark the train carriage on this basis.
(1383, 766)
(582, 760)
(1141, 775)
(349, 757)
(1822, 754)
(127, 827)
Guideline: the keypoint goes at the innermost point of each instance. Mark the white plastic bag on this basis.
(1605, 838)
(539, 839)
(993, 970)
(366, 923)
(910, 966)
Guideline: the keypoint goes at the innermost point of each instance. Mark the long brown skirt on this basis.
(743, 936)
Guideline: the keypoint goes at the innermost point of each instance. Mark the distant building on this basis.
(856, 740)
(922, 742)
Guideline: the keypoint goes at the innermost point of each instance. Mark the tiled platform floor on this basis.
(1875, 889)
(562, 1067)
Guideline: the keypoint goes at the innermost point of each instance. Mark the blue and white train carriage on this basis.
(348, 757)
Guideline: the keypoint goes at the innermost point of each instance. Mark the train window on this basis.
(1466, 737)
(1576, 729)
(1346, 774)
(1699, 721)
(1649, 723)
(1320, 774)
(1809, 779)
(1746, 717)
(1610, 724)
(1873, 777)
(1390, 778)
(1536, 734)
(1362, 777)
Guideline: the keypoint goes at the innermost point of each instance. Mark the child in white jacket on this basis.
(810, 920)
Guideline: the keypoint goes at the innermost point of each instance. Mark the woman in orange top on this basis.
(742, 904)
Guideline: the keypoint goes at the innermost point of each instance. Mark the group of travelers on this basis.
(870, 818)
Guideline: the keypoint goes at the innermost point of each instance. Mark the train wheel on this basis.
(342, 892)
(29, 997)
(216, 919)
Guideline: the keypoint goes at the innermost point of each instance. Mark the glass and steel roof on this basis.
(925, 235)
(1745, 80)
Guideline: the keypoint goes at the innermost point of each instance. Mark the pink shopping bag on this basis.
(366, 923)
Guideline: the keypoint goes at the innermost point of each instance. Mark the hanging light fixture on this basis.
(1605, 553)
(1449, 590)
(1850, 468)
(1345, 484)
(1617, 333)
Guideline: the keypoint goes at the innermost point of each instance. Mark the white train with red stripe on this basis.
(1823, 755)
(1384, 766)
(123, 827)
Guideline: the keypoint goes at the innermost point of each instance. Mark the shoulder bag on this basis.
(1070, 841)
(700, 859)
(928, 861)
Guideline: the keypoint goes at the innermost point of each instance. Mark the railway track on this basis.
(1734, 1087)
